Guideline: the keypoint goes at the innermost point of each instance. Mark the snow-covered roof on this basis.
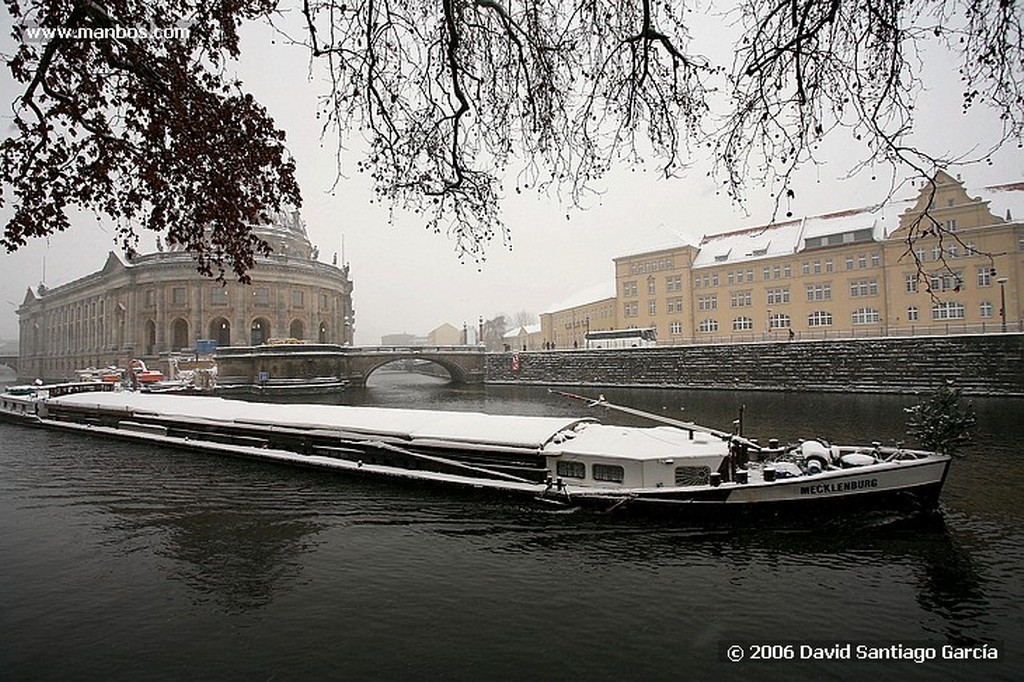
(749, 244)
(592, 294)
(550, 435)
(1004, 201)
(522, 329)
(496, 430)
(793, 236)
(660, 442)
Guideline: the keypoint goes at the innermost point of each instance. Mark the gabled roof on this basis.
(521, 330)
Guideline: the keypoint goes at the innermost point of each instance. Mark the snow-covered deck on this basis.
(567, 436)
(436, 425)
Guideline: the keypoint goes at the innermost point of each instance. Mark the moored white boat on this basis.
(676, 467)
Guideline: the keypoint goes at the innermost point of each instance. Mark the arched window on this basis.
(948, 310)
(708, 326)
(322, 336)
(150, 344)
(866, 316)
(779, 321)
(297, 330)
(220, 331)
(259, 332)
(179, 334)
(741, 324)
(819, 318)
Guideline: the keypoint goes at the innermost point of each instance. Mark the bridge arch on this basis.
(455, 371)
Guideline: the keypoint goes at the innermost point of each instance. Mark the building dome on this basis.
(286, 234)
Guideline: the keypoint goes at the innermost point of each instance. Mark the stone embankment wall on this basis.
(980, 365)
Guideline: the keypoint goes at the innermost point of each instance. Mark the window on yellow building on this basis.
(819, 318)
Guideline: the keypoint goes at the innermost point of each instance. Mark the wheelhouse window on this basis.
(612, 473)
(571, 469)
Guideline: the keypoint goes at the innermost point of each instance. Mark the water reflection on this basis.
(232, 531)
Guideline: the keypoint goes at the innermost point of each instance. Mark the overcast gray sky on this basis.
(407, 279)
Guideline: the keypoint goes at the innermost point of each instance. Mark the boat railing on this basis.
(57, 390)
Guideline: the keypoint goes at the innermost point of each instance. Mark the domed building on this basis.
(157, 303)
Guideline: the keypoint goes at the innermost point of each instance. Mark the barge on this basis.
(676, 467)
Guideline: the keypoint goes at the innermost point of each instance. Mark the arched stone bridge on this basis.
(291, 364)
(10, 361)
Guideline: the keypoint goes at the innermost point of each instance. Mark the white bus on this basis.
(622, 338)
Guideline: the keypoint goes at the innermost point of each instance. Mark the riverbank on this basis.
(987, 365)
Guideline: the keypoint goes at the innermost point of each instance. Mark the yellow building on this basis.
(567, 322)
(854, 273)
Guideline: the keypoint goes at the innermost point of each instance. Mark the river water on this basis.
(123, 563)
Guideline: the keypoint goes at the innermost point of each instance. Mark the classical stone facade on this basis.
(157, 303)
(868, 272)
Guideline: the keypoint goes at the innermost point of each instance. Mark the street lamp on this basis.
(1002, 300)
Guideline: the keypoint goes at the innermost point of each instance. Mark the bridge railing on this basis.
(305, 348)
(415, 349)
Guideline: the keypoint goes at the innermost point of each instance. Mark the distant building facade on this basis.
(445, 335)
(566, 323)
(862, 272)
(157, 303)
(402, 339)
(525, 337)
